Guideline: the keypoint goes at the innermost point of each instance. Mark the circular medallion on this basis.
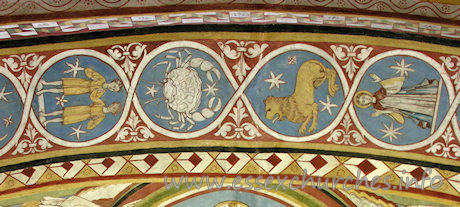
(297, 93)
(183, 89)
(401, 100)
(11, 109)
(79, 98)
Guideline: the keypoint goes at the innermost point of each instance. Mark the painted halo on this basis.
(410, 100)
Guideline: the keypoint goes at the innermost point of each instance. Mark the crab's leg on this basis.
(167, 68)
(176, 122)
(189, 56)
(155, 99)
(181, 117)
(175, 58)
(171, 117)
(192, 123)
(178, 59)
(169, 111)
(187, 51)
(162, 63)
(181, 120)
(173, 123)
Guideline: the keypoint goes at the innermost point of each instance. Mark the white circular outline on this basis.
(443, 74)
(302, 47)
(25, 111)
(58, 57)
(456, 128)
(187, 44)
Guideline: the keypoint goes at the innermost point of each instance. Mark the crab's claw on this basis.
(215, 71)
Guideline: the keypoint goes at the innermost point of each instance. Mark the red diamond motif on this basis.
(417, 173)
(274, 160)
(233, 159)
(67, 166)
(151, 160)
(108, 162)
(195, 159)
(366, 167)
(318, 162)
(28, 172)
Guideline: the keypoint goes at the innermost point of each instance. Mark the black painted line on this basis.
(59, 159)
(334, 198)
(129, 193)
(228, 28)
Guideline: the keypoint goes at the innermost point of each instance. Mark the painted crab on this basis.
(182, 89)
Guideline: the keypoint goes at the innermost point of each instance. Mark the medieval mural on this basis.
(113, 120)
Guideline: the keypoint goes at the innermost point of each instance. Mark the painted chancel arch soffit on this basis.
(229, 103)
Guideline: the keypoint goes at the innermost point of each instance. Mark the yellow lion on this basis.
(300, 107)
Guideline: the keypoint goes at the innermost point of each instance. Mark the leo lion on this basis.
(300, 107)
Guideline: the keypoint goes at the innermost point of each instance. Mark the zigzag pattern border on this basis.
(228, 164)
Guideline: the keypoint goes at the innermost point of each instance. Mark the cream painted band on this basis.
(268, 36)
(27, 192)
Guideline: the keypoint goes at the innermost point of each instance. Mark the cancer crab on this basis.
(182, 88)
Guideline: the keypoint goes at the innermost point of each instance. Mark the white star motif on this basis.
(73, 68)
(402, 68)
(8, 120)
(3, 94)
(210, 89)
(151, 91)
(77, 131)
(327, 105)
(275, 81)
(60, 101)
(391, 132)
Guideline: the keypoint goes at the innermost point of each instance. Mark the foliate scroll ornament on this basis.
(452, 64)
(351, 54)
(346, 135)
(128, 53)
(33, 144)
(133, 132)
(23, 63)
(446, 148)
(233, 49)
(245, 130)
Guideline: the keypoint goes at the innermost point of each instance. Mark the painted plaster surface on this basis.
(101, 120)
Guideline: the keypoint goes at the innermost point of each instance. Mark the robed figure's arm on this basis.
(93, 75)
(97, 102)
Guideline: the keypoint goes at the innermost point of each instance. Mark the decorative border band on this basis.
(78, 26)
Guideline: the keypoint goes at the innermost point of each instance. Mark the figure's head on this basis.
(363, 99)
(233, 204)
(272, 108)
(115, 85)
(114, 108)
